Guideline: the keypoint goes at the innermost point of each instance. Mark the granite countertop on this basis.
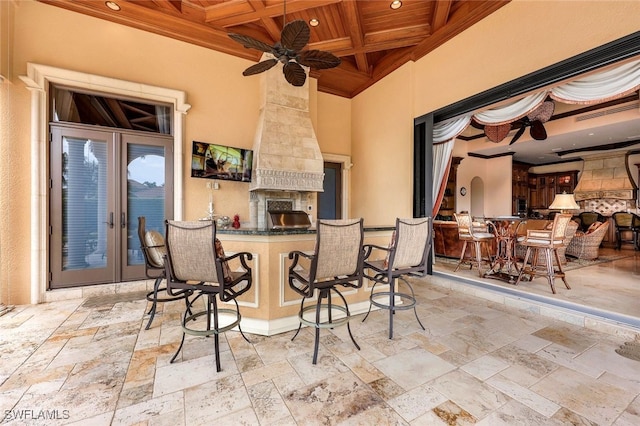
(256, 231)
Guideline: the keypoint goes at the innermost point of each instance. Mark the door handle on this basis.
(110, 222)
(123, 220)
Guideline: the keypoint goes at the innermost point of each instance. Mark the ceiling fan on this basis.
(293, 38)
(534, 120)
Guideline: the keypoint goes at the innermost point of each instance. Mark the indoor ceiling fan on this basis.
(293, 38)
(534, 120)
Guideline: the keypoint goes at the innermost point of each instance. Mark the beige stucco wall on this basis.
(224, 110)
(521, 37)
(375, 128)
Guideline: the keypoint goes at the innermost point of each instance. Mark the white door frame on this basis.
(37, 81)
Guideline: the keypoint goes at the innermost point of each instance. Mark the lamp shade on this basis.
(564, 201)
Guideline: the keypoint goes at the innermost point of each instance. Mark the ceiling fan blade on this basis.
(318, 59)
(543, 113)
(260, 67)
(251, 43)
(294, 73)
(497, 133)
(295, 35)
(538, 131)
(517, 135)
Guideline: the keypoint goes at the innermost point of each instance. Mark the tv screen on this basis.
(211, 161)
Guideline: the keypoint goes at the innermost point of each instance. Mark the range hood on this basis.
(286, 155)
(605, 176)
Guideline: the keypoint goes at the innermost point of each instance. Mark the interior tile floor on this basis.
(612, 287)
(90, 361)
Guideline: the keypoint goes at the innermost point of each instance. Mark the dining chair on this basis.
(153, 251)
(547, 241)
(336, 261)
(406, 256)
(195, 261)
(623, 222)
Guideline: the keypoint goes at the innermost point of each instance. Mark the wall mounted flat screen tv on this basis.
(211, 161)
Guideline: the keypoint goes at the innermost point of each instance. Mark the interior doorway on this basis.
(330, 201)
(477, 197)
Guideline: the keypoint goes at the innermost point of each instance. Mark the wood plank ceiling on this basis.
(370, 37)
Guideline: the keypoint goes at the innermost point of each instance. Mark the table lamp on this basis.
(564, 202)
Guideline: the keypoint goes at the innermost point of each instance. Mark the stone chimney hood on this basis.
(605, 176)
(286, 155)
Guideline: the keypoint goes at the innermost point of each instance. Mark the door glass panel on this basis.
(84, 201)
(146, 194)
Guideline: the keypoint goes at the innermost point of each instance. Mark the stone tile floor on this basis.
(478, 362)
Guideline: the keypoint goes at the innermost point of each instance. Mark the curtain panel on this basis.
(595, 88)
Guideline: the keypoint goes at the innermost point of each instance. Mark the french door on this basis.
(101, 181)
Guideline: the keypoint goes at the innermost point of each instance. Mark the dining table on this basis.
(505, 263)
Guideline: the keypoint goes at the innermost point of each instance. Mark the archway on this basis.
(477, 197)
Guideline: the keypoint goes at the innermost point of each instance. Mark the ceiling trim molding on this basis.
(618, 50)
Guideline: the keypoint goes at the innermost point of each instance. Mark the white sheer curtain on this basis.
(444, 137)
(511, 112)
(595, 88)
(600, 87)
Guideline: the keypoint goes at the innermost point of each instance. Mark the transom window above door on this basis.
(73, 106)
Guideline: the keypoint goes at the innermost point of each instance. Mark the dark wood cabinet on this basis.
(544, 187)
(448, 206)
(519, 188)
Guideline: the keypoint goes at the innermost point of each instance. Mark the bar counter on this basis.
(271, 307)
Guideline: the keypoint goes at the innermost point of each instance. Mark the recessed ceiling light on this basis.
(590, 134)
(112, 5)
(314, 22)
(395, 4)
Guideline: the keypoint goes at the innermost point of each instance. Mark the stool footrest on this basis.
(335, 322)
(219, 330)
(406, 301)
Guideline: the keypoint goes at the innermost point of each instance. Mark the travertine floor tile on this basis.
(479, 361)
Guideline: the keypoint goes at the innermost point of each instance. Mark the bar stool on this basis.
(407, 255)
(195, 261)
(476, 238)
(549, 241)
(337, 261)
(153, 250)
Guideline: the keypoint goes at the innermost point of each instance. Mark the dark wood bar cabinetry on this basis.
(544, 187)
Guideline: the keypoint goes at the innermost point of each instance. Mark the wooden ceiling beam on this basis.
(352, 19)
(441, 11)
(218, 15)
(171, 6)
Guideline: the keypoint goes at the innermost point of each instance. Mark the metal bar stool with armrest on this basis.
(337, 260)
(548, 240)
(406, 256)
(477, 238)
(153, 250)
(195, 261)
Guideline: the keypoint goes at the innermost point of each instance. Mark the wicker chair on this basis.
(572, 228)
(406, 256)
(585, 246)
(337, 261)
(195, 261)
